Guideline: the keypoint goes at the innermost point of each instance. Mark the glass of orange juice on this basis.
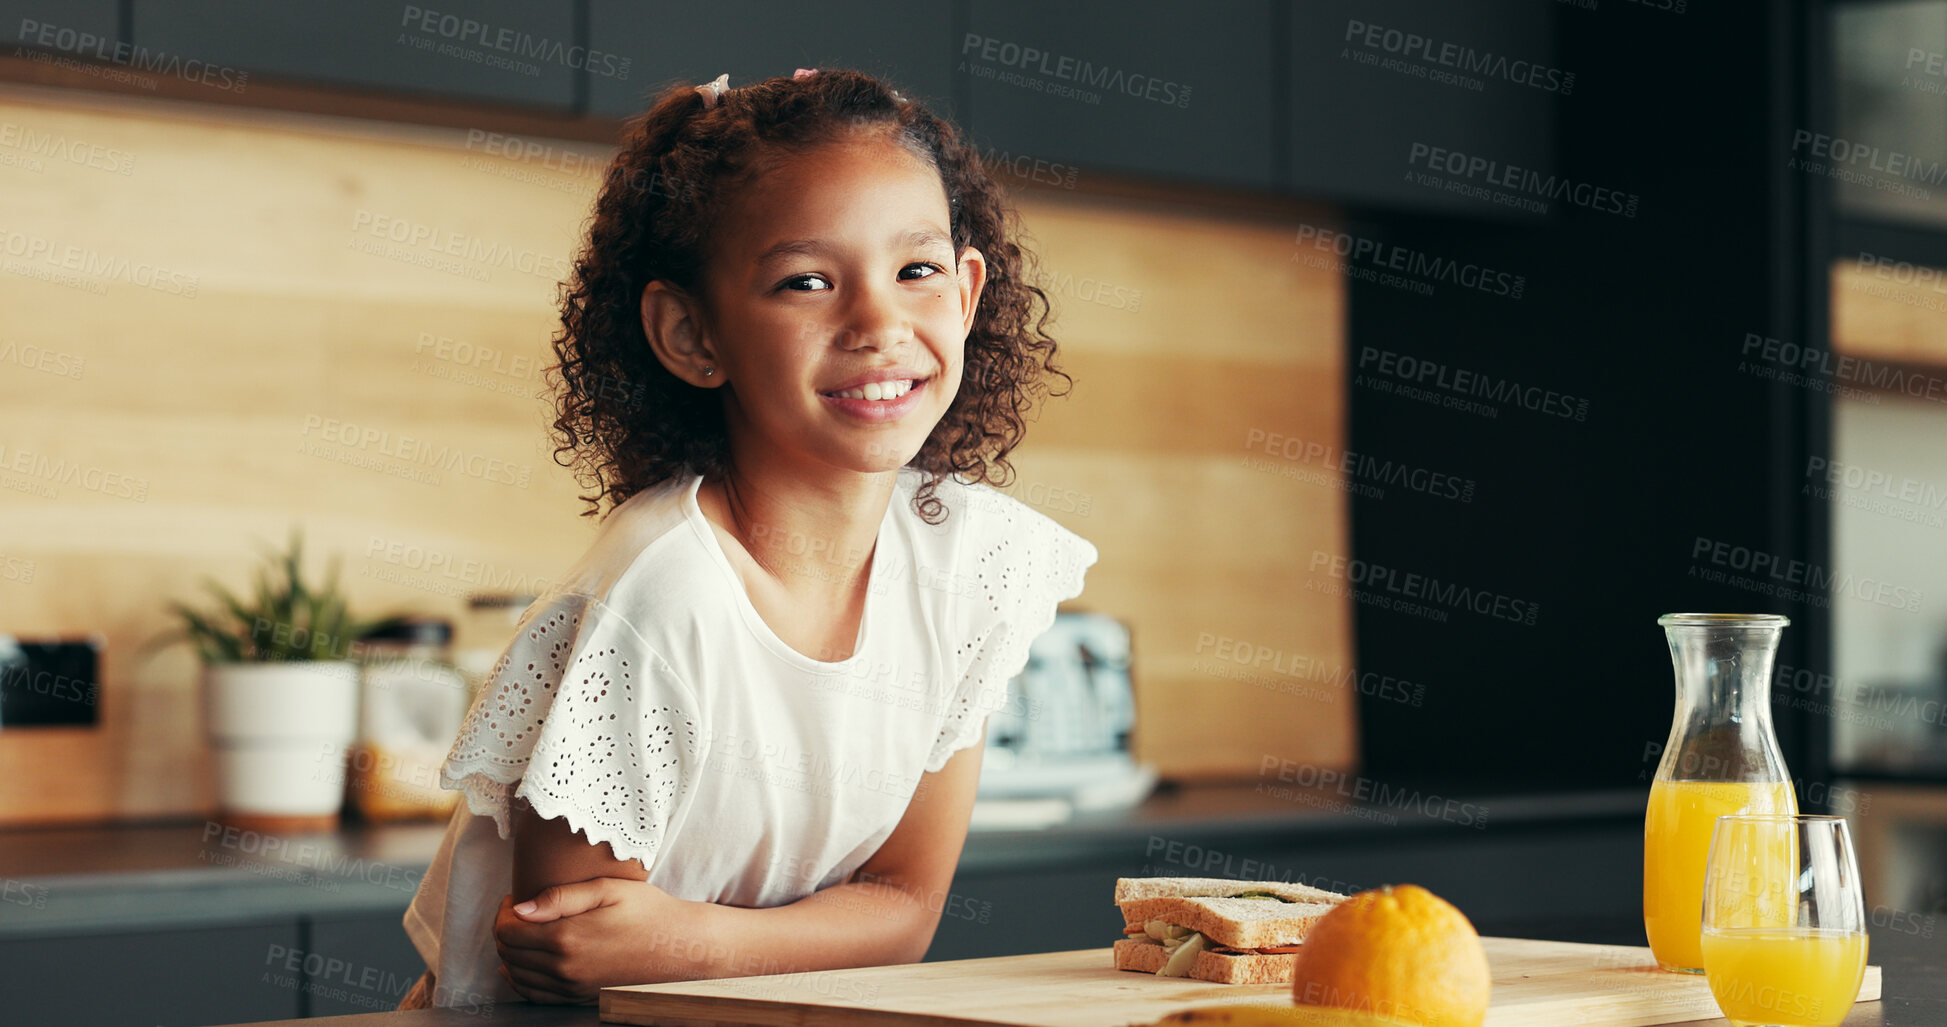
(1784, 920)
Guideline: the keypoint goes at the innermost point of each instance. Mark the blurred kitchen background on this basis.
(1425, 354)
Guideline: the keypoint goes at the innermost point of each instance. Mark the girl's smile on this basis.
(884, 395)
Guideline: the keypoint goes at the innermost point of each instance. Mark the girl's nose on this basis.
(874, 321)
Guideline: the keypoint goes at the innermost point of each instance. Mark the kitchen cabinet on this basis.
(1889, 66)
(1171, 91)
(751, 40)
(284, 967)
(97, 18)
(1362, 102)
(1383, 92)
(172, 978)
(501, 51)
(1572, 884)
(364, 963)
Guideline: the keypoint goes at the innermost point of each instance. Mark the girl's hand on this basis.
(573, 940)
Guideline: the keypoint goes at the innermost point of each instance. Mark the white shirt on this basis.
(659, 713)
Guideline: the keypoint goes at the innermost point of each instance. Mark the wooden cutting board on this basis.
(1536, 984)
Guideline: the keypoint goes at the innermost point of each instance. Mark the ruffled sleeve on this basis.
(582, 719)
(1023, 564)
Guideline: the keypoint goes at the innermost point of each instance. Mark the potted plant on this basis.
(280, 692)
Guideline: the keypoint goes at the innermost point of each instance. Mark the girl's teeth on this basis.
(878, 390)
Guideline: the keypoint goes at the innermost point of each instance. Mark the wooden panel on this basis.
(1538, 983)
(218, 402)
(1189, 337)
(276, 321)
(1179, 282)
(1891, 314)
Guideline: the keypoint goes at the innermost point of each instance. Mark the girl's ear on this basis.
(973, 278)
(673, 322)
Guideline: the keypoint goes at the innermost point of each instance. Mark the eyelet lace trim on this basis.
(1032, 566)
(581, 697)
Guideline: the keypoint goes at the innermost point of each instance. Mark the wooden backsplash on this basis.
(1883, 311)
(219, 324)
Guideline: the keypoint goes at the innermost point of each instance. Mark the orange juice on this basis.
(1801, 976)
(1676, 844)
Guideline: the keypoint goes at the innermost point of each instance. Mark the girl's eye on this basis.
(805, 282)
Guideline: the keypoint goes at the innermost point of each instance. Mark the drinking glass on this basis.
(1784, 920)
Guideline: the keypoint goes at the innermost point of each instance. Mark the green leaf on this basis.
(344, 630)
(231, 604)
(285, 618)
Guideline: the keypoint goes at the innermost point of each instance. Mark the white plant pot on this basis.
(280, 732)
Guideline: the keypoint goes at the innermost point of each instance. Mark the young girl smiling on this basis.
(742, 735)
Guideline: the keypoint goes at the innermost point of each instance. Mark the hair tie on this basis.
(713, 90)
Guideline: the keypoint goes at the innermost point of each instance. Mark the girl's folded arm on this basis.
(550, 852)
(601, 923)
(559, 871)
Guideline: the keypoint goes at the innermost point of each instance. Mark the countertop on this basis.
(84, 879)
(201, 872)
(1914, 994)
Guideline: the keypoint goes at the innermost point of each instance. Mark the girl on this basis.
(742, 735)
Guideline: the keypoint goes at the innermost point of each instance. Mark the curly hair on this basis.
(624, 423)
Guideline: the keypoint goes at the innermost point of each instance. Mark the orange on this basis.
(1400, 952)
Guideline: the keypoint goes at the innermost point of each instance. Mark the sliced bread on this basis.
(1215, 967)
(1128, 888)
(1240, 923)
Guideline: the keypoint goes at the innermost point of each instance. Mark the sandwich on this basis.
(1217, 930)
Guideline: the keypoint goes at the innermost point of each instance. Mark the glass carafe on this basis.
(1722, 757)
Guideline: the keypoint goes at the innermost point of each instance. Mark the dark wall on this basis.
(1664, 437)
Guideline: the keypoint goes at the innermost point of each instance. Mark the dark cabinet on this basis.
(279, 968)
(503, 51)
(1425, 105)
(1509, 880)
(1182, 92)
(1403, 105)
(172, 978)
(908, 44)
(62, 26)
(361, 964)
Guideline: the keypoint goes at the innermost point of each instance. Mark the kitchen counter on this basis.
(73, 893)
(200, 872)
(208, 925)
(1914, 990)
(203, 874)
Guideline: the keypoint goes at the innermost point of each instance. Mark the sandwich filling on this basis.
(1182, 944)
